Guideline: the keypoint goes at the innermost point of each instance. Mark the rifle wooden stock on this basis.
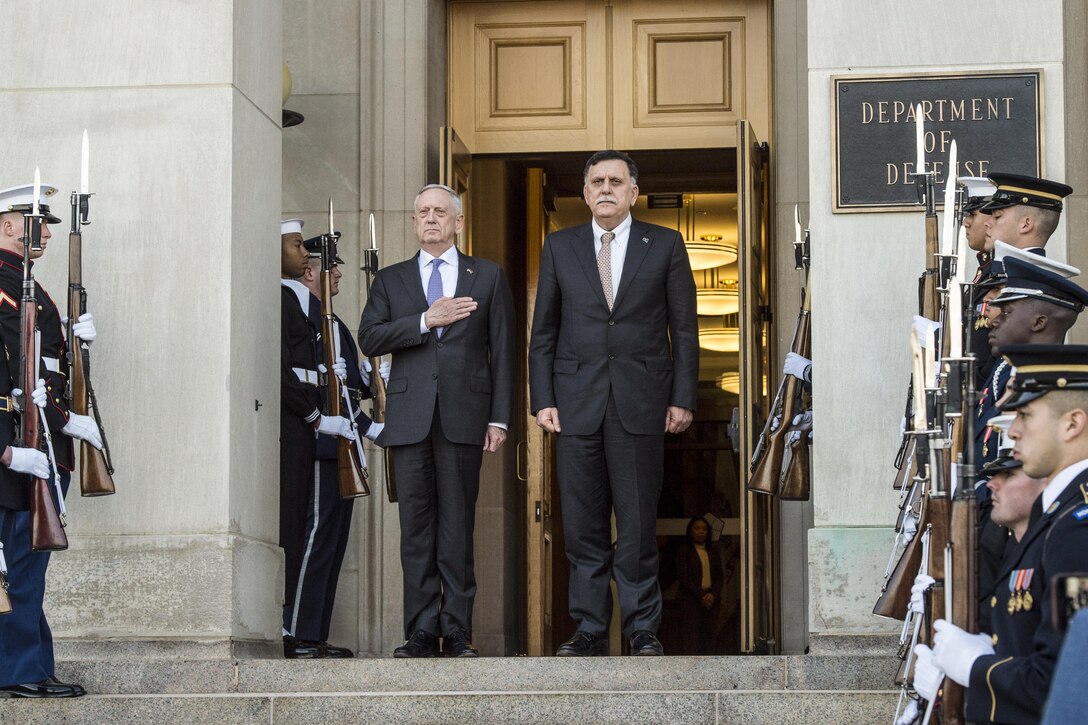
(377, 390)
(353, 475)
(767, 468)
(930, 303)
(46, 528)
(796, 478)
(895, 598)
(95, 478)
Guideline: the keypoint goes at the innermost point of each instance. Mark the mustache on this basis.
(606, 198)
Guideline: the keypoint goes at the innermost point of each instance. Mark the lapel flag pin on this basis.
(645, 240)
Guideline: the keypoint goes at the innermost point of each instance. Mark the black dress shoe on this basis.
(420, 644)
(332, 652)
(645, 643)
(457, 644)
(53, 681)
(45, 688)
(583, 644)
(301, 649)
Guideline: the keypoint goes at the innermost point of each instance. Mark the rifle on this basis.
(377, 384)
(795, 483)
(46, 523)
(95, 466)
(352, 466)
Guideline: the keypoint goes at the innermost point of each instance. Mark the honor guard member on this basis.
(1008, 674)
(977, 192)
(328, 516)
(1024, 210)
(26, 642)
(1036, 306)
(300, 422)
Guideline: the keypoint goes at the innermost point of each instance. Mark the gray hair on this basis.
(454, 198)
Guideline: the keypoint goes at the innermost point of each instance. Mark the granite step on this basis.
(835, 687)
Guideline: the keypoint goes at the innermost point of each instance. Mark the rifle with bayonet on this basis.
(352, 461)
(377, 383)
(95, 465)
(46, 521)
(795, 483)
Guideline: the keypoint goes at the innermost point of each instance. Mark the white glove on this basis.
(364, 371)
(84, 328)
(927, 676)
(917, 594)
(340, 369)
(798, 366)
(910, 713)
(374, 430)
(955, 651)
(82, 427)
(924, 325)
(335, 425)
(38, 395)
(28, 460)
(383, 369)
(803, 419)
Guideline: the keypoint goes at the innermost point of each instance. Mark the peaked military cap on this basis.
(979, 190)
(1042, 369)
(1014, 189)
(21, 199)
(313, 246)
(291, 226)
(1024, 280)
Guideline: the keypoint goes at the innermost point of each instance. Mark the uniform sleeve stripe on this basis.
(993, 695)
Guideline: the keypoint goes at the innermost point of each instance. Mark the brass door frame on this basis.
(760, 544)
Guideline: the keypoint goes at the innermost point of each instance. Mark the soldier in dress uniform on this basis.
(26, 642)
(300, 422)
(1036, 306)
(328, 515)
(1024, 210)
(1008, 673)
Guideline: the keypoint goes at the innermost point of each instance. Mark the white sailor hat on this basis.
(1003, 251)
(979, 191)
(291, 226)
(21, 199)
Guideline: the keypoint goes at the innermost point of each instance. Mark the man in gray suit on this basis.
(613, 366)
(448, 320)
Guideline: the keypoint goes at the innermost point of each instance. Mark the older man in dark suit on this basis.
(613, 366)
(448, 320)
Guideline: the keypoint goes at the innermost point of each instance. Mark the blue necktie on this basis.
(434, 287)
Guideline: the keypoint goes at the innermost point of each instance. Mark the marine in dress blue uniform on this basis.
(27, 665)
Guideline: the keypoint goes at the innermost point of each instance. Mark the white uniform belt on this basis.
(306, 376)
(52, 364)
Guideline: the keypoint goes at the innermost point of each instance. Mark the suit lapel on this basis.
(584, 255)
(466, 275)
(408, 272)
(639, 242)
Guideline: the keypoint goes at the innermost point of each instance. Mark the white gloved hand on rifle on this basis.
(927, 676)
(335, 425)
(367, 368)
(340, 369)
(798, 366)
(28, 460)
(84, 328)
(918, 593)
(955, 651)
(374, 430)
(82, 427)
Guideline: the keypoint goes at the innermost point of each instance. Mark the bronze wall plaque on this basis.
(996, 120)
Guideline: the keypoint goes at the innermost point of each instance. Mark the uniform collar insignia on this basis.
(1084, 491)
(1053, 507)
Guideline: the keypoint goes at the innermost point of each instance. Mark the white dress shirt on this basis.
(619, 248)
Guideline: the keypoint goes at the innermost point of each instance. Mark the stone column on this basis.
(182, 103)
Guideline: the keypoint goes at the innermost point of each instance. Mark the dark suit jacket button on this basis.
(434, 376)
(440, 344)
(611, 357)
(611, 322)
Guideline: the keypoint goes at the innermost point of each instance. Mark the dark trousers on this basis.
(297, 450)
(437, 485)
(26, 642)
(308, 614)
(612, 469)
